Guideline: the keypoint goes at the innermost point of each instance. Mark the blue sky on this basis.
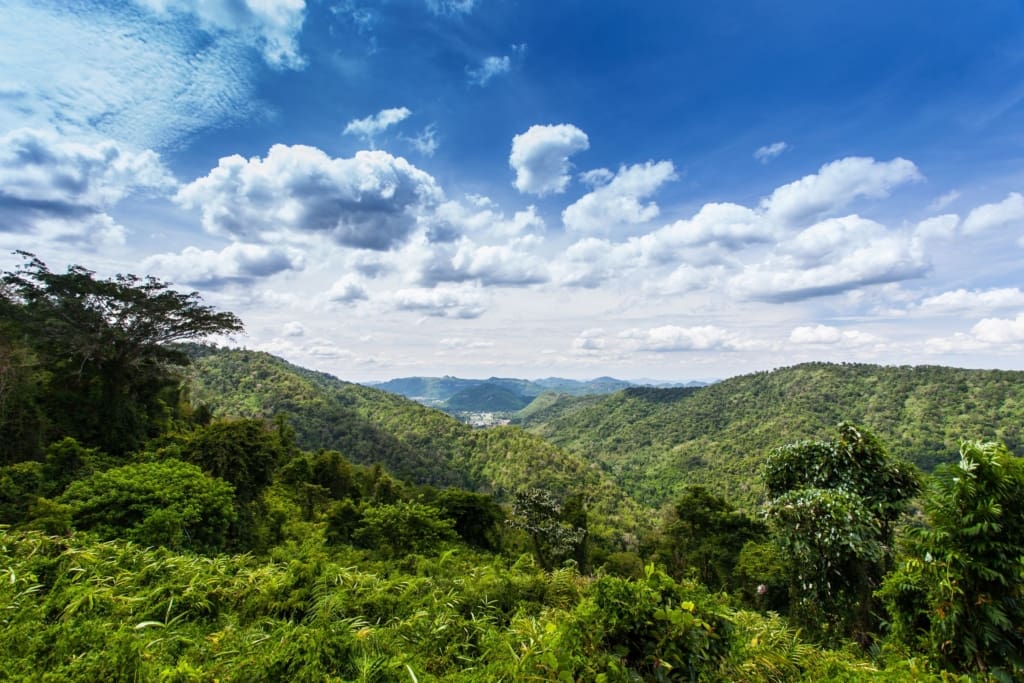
(485, 187)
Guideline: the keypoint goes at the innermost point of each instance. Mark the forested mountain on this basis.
(654, 442)
(370, 426)
(496, 394)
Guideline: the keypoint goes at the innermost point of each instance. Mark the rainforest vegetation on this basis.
(171, 511)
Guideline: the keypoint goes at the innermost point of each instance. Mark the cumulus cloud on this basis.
(272, 25)
(1005, 214)
(346, 290)
(669, 338)
(237, 263)
(1000, 330)
(540, 157)
(768, 152)
(111, 70)
(828, 258)
(835, 185)
(589, 341)
(963, 300)
(369, 201)
(293, 329)
(619, 202)
(488, 68)
(61, 189)
(445, 301)
(512, 264)
(825, 335)
(596, 177)
(371, 126)
(937, 227)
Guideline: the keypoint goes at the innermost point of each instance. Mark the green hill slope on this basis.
(413, 442)
(656, 441)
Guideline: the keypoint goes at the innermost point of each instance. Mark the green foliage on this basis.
(401, 528)
(169, 503)
(959, 594)
(476, 517)
(242, 452)
(655, 442)
(703, 537)
(539, 514)
(104, 345)
(833, 506)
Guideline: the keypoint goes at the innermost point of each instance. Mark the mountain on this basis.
(656, 441)
(422, 445)
(496, 394)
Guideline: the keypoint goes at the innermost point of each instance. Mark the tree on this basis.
(169, 502)
(107, 346)
(539, 514)
(704, 535)
(834, 506)
(960, 591)
(401, 528)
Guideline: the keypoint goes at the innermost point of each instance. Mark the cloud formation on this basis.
(488, 68)
(540, 157)
(236, 263)
(115, 72)
(672, 338)
(619, 202)
(768, 152)
(370, 201)
(445, 301)
(1005, 214)
(62, 189)
(835, 185)
(371, 126)
(272, 25)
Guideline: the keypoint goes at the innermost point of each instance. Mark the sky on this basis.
(659, 190)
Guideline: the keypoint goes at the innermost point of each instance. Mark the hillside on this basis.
(413, 442)
(656, 441)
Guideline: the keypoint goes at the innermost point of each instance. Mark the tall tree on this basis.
(107, 346)
(834, 505)
(960, 591)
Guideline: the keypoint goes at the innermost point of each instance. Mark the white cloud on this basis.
(825, 335)
(768, 152)
(466, 344)
(369, 201)
(489, 68)
(1000, 330)
(668, 338)
(945, 200)
(937, 227)
(450, 7)
(540, 157)
(272, 25)
(445, 301)
(293, 329)
(831, 257)
(1008, 213)
(237, 263)
(619, 202)
(815, 334)
(426, 142)
(596, 177)
(61, 189)
(371, 126)
(110, 70)
(346, 290)
(835, 185)
(511, 265)
(727, 225)
(962, 300)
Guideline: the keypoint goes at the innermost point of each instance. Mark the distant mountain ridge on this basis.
(498, 394)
